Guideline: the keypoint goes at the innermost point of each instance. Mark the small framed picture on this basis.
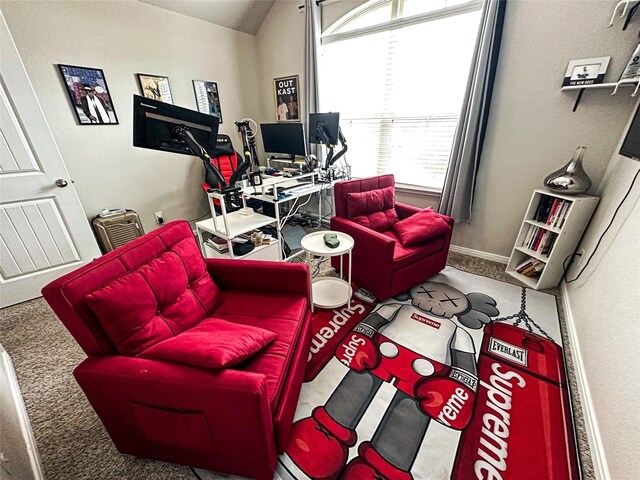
(155, 87)
(587, 71)
(287, 96)
(89, 95)
(208, 98)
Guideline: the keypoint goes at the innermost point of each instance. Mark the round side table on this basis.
(329, 292)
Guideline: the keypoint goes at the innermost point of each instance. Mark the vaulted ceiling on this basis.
(243, 15)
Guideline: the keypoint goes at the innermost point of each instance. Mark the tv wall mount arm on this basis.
(183, 132)
(231, 197)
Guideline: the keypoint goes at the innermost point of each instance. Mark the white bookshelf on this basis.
(568, 235)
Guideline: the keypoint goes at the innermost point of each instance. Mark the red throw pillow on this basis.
(420, 227)
(213, 343)
(371, 201)
(165, 297)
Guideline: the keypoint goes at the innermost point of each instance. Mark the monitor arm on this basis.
(248, 148)
(343, 142)
(198, 150)
(324, 138)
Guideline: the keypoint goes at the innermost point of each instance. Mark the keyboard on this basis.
(300, 189)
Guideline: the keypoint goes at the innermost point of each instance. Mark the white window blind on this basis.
(399, 93)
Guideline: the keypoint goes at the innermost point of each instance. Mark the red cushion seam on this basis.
(158, 306)
(191, 283)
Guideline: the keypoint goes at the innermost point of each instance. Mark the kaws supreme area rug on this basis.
(461, 377)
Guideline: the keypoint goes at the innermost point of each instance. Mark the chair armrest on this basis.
(233, 404)
(379, 246)
(404, 211)
(260, 276)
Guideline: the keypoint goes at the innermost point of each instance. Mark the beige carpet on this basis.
(71, 440)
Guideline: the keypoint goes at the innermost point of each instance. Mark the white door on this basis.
(44, 232)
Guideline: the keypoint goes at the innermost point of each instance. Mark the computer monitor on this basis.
(286, 139)
(154, 126)
(329, 122)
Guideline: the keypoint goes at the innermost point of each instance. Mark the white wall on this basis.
(124, 38)
(605, 311)
(280, 46)
(532, 130)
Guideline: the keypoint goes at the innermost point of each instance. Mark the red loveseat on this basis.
(232, 420)
(366, 210)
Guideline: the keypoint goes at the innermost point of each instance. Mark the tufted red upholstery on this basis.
(158, 300)
(232, 420)
(374, 209)
(380, 262)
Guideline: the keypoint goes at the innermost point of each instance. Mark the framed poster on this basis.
(287, 95)
(89, 95)
(155, 87)
(587, 71)
(207, 98)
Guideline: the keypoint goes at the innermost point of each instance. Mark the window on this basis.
(396, 70)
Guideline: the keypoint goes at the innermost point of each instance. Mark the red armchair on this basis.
(380, 262)
(232, 420)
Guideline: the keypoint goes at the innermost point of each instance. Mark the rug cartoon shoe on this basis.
(319, 446)
(370, 465)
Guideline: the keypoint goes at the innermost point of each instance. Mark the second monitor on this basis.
(285, 140)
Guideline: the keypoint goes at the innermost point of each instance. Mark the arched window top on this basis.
(378, 13)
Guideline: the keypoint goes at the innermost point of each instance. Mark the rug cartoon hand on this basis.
(447, 399)
(358, 351)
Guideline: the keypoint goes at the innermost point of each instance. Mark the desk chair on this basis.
(226, 160)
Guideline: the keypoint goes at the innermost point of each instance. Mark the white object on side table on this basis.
(329, 292)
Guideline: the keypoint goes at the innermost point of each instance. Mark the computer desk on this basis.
(275, 182)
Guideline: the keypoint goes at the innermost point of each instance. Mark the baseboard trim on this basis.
(480, 254)
(600, 467)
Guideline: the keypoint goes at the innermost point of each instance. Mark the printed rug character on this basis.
(428, 358)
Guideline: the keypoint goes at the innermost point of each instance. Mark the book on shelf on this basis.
(530, 267)
(218, 244)
(539, 239)
(552, 211)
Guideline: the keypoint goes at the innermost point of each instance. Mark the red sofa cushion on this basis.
(213, 343)
(374, 209)
(420, 227)
(403, 256)
(160, 299)
(281, 314)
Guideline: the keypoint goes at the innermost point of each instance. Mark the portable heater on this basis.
(113, 231)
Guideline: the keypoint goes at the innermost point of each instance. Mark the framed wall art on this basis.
(89, 95)
(155, 87)
(207, 98)
(287, 96)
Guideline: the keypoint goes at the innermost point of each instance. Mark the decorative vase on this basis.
(570, 179)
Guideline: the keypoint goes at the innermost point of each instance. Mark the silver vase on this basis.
(570, 179)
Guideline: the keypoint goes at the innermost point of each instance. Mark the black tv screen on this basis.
(283, 138)
(152, 122)
(631, 145)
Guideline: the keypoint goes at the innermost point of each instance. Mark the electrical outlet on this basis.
(580, 255)
(159, 217)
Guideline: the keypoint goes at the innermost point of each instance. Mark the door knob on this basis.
(61, 182)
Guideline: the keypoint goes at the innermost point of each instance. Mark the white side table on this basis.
(329, 292)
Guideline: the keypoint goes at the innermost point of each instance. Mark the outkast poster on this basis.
(287, 97)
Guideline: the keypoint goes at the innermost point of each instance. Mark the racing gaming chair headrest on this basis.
(223, 146)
